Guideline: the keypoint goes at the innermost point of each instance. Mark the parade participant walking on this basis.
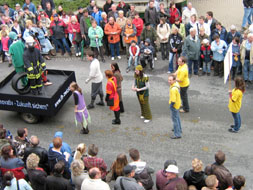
(16, 51)
(96, 77)
(141, 87)
(34, 64)
(235, 102)
(96, 34)
(117, 74)
(112, 97)
(184, 82)
(81, 112)
(175, 102)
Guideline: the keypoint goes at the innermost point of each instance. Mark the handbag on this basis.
(78, 37)
(109, 176)
(110, 102)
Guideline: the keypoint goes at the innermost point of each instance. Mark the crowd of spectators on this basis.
(26, 164)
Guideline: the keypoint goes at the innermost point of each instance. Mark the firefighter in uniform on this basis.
(34, 64)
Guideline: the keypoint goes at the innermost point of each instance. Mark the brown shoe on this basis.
(52, 53)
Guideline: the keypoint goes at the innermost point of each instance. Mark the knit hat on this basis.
(147, 24)
(58, 134)
(55, 15)
(148, 41)
(13, 35)
(205, 41)
(139, 68)
(133, 41)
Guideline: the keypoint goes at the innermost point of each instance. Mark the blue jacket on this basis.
(219, 51)
(97, 17)
(223, 34)
(11, 13)
(31, 7)
(236, 49)
(230, 36)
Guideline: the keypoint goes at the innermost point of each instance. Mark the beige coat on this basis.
(163, 32)
(121, 21)
(243, 52)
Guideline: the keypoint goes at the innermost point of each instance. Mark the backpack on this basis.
(145, 178)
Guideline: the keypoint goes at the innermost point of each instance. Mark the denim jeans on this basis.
(171, 65)
(139, 39)
(112, 47)
(247, 16)
(207, 67)
(247, 70)
(176, 121)
(237, 121)
(195, 66)
(131, 59)
(77, 47)
(63, 42)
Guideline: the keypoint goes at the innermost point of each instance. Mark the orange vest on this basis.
(129, 30)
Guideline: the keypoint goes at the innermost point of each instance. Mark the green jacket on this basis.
(16, 51)
(92, 32)
(151, 34)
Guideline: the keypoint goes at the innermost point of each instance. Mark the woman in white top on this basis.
(163, 31)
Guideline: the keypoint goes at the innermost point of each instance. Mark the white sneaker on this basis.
(168, 72)
(119, 57)
(146, 121)
(79, 53)
(112, 58)
(142, 117)
(155, 58)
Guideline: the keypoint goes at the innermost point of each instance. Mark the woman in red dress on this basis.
(112, 97)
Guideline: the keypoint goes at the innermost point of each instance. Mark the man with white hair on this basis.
(191, 49)
(173, 179)
(246, 52)
(188, 12)
(232, 34)
(113, 13)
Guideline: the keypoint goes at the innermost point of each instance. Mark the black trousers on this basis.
(96, 52)
(149, 59)
(165, 50)
(184, 98)
(218, 68)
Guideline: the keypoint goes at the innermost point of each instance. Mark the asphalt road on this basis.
(204, 128)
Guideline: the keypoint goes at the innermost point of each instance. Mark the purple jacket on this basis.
(161, 179)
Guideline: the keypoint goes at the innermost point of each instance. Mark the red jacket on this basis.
(174, 13)
(75, 26)
(139, 25)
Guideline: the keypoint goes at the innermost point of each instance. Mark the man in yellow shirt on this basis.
(184, 82)
(175, 102)
(235, 102)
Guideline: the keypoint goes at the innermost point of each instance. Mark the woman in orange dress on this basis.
(112, 97)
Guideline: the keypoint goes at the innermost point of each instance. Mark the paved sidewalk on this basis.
(228, 12)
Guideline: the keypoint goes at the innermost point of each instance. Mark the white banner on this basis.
(228, 63)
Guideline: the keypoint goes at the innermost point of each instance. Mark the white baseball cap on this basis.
(172, 169)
